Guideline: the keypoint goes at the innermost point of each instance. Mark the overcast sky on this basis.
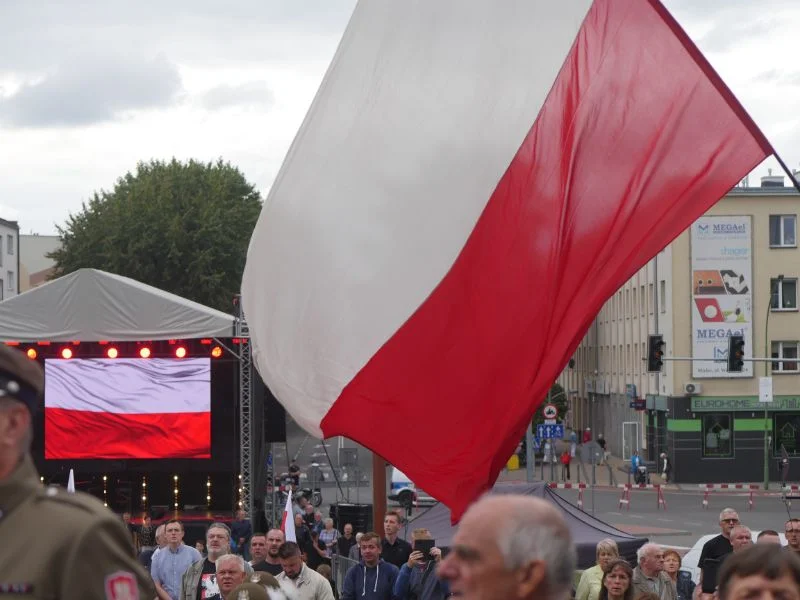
(89, 88)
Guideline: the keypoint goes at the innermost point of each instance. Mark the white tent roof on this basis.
(90, 305)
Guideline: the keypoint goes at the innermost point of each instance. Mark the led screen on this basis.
(127, 408)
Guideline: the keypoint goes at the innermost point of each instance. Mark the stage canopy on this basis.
(90, 306)
(586, 530)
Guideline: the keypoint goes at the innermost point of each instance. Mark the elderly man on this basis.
(716, 549)
(230, 573)
(649, 575)
(760, 572)
(200, 579)
(741, 538)
(510, 547)
(55, 544)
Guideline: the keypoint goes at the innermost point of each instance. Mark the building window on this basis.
(644, 302)
(10, 278)
(662, 296)
(784, 294)
(783, 231)
(10, 242)
(787, 433)
(784, 350)
(650, 299)
(717, 437)
(1, 287)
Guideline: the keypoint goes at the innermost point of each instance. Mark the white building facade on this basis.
(9, 259)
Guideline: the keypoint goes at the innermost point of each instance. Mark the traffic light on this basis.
(655, 350)
(735, 353)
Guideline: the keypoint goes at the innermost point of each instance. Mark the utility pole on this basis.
(773, 291)
(378, 491)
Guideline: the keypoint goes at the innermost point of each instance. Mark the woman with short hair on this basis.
(591, 580)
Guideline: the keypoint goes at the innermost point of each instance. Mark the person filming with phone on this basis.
(417, 579)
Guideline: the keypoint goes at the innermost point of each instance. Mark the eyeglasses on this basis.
(734, 521)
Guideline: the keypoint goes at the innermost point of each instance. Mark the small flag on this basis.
(287, 524)
(71, 482)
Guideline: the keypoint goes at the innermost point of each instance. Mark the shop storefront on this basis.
(721, 439)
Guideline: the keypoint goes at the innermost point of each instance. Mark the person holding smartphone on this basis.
(417, 579)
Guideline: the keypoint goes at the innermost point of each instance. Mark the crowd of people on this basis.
(62, 545)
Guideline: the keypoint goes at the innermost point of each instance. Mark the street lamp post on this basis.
(773, 292)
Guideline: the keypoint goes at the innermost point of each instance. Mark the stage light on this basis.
(216, 352)
(66, 353)
(175, 477)
(112, 352)
(144, 352)
(32, 353)
(180, 352)
(144, 493)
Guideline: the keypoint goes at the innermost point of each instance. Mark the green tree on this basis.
(181, 227)
(557, 397)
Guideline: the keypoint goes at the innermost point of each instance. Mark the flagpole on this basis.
(378, 493)
(786, 170)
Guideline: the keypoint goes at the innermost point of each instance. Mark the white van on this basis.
(404, 492)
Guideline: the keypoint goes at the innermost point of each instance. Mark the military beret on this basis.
(249, 591)
(20, 377)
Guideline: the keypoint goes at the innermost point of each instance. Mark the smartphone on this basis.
(424, 546)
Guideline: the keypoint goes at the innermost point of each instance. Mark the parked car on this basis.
(692, 557)
(404, 492)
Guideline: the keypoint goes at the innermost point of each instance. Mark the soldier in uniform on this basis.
(55, 544)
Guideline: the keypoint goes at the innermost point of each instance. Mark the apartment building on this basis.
(733, 272)
(9, 259)
(35, 266)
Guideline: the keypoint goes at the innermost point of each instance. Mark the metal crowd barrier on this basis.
(340, 565)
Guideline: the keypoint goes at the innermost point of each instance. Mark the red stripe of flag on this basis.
(77, 434)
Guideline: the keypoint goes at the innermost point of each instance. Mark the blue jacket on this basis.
(370, 583)
(420, 583)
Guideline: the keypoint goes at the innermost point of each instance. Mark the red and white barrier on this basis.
(625, 497)
(730, 486)
(749, 487)
(571, 486)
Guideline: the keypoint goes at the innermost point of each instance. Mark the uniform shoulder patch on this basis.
(121, 586)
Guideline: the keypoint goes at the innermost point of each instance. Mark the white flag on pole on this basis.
(287, 524)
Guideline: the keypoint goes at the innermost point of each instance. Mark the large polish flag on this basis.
(127, 408)
(472, 181)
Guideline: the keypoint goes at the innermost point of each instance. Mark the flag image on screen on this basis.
(127, 408)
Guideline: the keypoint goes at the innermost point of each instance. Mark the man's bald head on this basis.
(511, 546)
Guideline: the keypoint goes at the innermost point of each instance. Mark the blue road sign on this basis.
(550, 431)
(537, 442)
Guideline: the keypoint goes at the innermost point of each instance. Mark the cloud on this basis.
(87, 90)
(252, 94)
(777, 77)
